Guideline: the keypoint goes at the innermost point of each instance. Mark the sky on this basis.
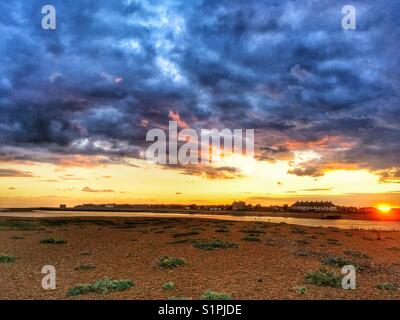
(76, 102)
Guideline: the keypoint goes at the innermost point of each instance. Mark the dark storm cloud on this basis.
(113, 70)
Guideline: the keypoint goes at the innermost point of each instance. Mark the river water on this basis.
(340, 223)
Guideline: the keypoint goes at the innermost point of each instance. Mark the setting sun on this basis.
(384, 208)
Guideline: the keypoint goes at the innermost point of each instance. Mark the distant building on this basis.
(368, 210)
(314, 206)
(239, 205)
(344, 209)
(63, 206)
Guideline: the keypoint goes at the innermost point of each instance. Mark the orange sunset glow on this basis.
(89, 181)
(384, 208)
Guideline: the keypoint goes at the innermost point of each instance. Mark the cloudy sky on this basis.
(76, 102)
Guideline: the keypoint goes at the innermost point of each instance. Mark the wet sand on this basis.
(272, 267)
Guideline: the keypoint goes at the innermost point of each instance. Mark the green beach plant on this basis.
(214, 295)
(6, 258)
(102, 286)
(170, 262)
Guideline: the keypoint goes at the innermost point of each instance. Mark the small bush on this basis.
(213, 295)
(5, 258)
(102, 286)
(79, 289)
(298, 230)
(334, 242)
(323, 277)
(168, 286)
(301, 290)
(304, 253)
(214, 244)
(356, 254)
(368, 238)
(183, 241)
(16, 238)
(184, 234)
(179, 298)
(302, 241)
(84, 267)
(86, 253)
(52, 241)
(251, 238)
(393, 249)
(222, 230)
(386, 286)
(16, 224)
(252, 231)
(170, 262)
(336, 261)
(54, 222)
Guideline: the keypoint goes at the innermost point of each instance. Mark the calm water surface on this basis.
(341, 223)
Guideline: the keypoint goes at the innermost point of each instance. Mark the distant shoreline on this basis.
(394, 216)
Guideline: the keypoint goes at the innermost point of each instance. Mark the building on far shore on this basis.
(239, 205)
(314, 206)
(63, 206)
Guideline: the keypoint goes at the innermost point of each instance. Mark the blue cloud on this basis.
(286, 68)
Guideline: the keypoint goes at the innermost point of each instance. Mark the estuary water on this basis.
(340, 223)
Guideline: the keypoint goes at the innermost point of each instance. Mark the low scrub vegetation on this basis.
(184, 234)
(323, 277)
(168, 286)
(6, 258)
(304, 253)
(102, 286)
(301, 290)
(16, 238)
(298, 230)
(170, 262)
(336, 261)
(252, 231)
(179, 298)
(251, 238)
(214, 244)
(86, 266)
(393, 248)
(302, 241)
(386, 286)
(52, 241)
(86, 253)
(356, 254)
(213, 295)
(16, 224)
(331, 241)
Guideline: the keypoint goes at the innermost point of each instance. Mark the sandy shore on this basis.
(274, 266)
